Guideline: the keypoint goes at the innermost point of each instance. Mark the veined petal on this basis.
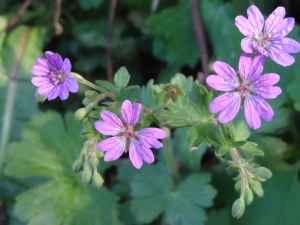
(220, 83)
(64, 93)
(130, 115)
(247, 45)
(42, 62)
(71, 84)
(107, 129)
(255, 108)
(228, 103)
(265, 80)
(111, 119)
(287, 45)
(256, 68)
(40, 70)
(67, 66)
(255, 18)
(280, 57)
(56, 60)
(45, 88)
(138, 153)
(224, 70)
(244, 65)
(54, 92)
(244, 26)
(273, 19)
(282, 28)
(152, 133)
(267, 92)
(114, 148)
(39, 81)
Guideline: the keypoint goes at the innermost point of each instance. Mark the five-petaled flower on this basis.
(268, 37)
(248, 86)
(126, 133)
(52, 76)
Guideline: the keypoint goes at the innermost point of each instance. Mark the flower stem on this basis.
(169, 157)
(81, 80)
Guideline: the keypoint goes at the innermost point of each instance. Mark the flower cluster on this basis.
(248, 87)
(127, 135)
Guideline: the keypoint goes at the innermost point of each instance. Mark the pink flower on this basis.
(52, 76)
(248, 86)
(125, 134)
(268, 37)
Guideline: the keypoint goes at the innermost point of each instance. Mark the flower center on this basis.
(129, 133)
(57, 77)
(263, 41)
(245, 88)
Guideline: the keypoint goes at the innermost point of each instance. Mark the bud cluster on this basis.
(87, 164)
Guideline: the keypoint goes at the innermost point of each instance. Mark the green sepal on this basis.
(222, 150)
(238, 144)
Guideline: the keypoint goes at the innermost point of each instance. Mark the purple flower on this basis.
(52, 77)
(268, 37)
(248, 86)
(125, 133)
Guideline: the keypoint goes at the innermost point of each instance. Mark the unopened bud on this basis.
(256, 188)
(81, 115)
(238, 185)
(248, 196)
(97, 180)
(77, 166)
(263, 172)
(87, 101)
(86, 175)
(91, 94)
(238, 208)
(94, 161)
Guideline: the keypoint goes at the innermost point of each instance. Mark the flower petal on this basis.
(114, 148)
(263, 86)
(40, 70)
(149, 136)
(42, 62)
(55, 60)
(54, 92)
(280, 57)
(244, 26)
(107, 129)
(111, 119)
(256, 67)
(265, 80)
(64, 93)
(220, 83)
(244, 65)
(67, 66)
(224, 70)
(71, 84)
(130, 115)
(283, 28)
(287, 45)
(228, 103)
(45, 88)
(247, 45)
(138, 153)
(39, 81)
(255, 18)
(273, 19)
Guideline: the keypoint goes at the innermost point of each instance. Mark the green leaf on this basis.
(173, 39)
(107, 85)
(121, 78)
(251, 147)
(49, 148)
(202, 133)
(88, 4)
(241, 131)
(153, 193)
(191, 159)
(131, 93)
(152, 96)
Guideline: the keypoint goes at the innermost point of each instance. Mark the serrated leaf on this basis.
(107, 85)
(152, 97)
(121, 78)
(131, 93)
(242, 131)
(172, 39)
(49, 148)
(251, 147)
(191, 159)
(202, 133)
(154, 194)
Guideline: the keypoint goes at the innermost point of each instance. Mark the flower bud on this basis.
(94, 161)
(99, 154)
(97, 180)
(91, 94)
(81, 115)
(238, 185)
(77, 166)
(248, 196)
(86, 175)
(263, 172)
(256, 188)
(238, 208)
(87, 101)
